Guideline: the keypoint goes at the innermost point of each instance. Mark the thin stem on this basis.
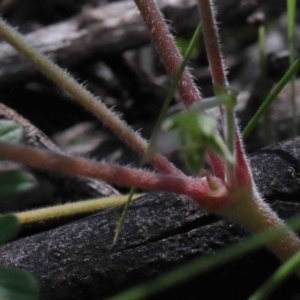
(167, 49)
(212, 44)
(217, 164)
(271, 97)
(70, 209)
(283, 272)
(230, 140)
(160, 118)
(291, 8)
(123, 215)
(263, 78)
(173, 87)
(246, 207)
(198, 188)
(243, 175)
(83, 96)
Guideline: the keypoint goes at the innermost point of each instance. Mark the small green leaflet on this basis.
(9, 227)
(10, 132)
(14, 284)
(197, 134)
(17, 285)
(12, 182)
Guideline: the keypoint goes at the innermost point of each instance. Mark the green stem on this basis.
(70, 209)
(271, 97)
(160, 118)
(285, 271)
(124, 213)
(291, 8)
(173, 87)
(263, 78)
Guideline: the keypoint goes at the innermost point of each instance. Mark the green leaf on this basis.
(9, 227)
(10, 132)
(197, 132)
(12, 182)
(17, 285)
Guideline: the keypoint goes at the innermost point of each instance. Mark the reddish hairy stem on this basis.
(217, 165)
(167, 49)
(257, 216)
(246, 205)
(243, 177)
(35, 158)
(212, 44)
(84, 97)
(162, 164)
(171, 57)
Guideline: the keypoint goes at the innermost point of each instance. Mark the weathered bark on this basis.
(161, 231)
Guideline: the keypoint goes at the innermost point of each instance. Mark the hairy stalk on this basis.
(171, 58)
(212, 44)
(254, 214)
(167, 49)
(84, 97)
(198, 189)
(70, 209)
(218, 72)
(246, 205)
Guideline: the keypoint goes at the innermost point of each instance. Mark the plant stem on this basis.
(264, 83)
(212, 45)
(84, 97)
(173, 87)
(70, 209)
(167, 49)
(230, 128)
(283, 272)
(291, 8)
(170, 55)
(271, 97)
(245, 204)
(255, 215)
(124, 214)
(198, 188)
(162, 114)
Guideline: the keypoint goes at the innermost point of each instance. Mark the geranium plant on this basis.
(226, 188)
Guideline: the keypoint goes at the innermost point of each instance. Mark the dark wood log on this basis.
(162, 231)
